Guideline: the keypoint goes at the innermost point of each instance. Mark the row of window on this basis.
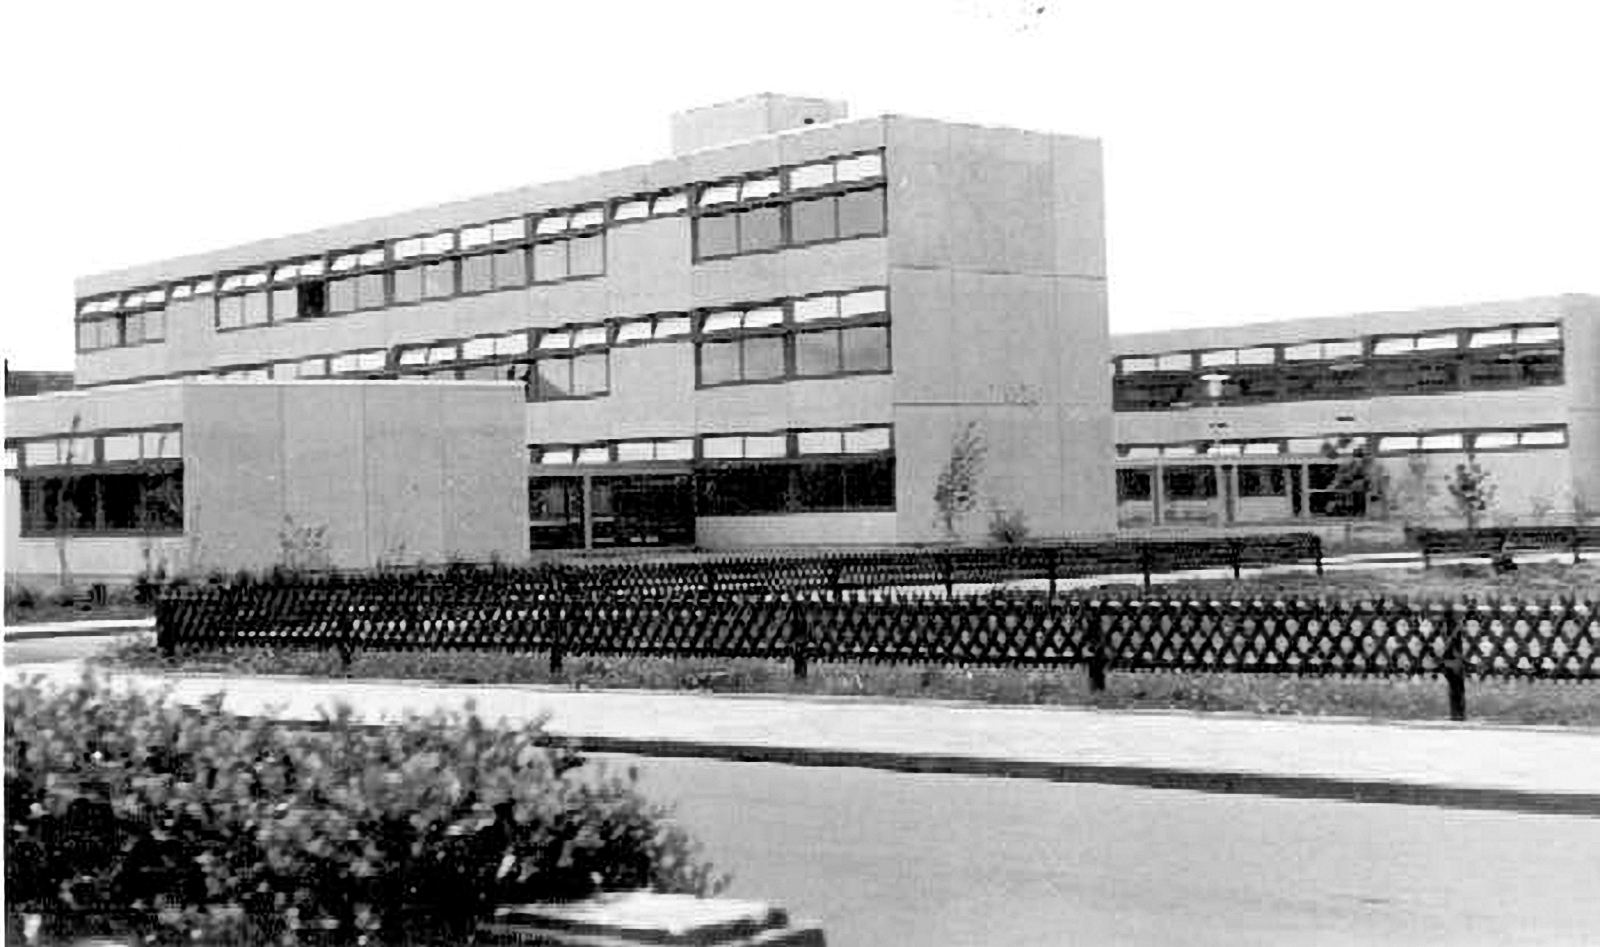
(1535, 334)
(99, 448)
(772, 445)
(1299, 490)
(1474, 441)
(511, 252)
(1418, 373)
(819, 335)
(142, 501)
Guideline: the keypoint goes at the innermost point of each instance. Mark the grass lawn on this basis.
(43, 612)
(1567, 704)
(1536, 580)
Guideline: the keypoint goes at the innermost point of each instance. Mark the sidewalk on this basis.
(78, 629)
(1473, 766)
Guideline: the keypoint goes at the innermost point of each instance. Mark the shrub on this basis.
(1008, 527)
(175, 822)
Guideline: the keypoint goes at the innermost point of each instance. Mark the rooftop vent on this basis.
(749, 117)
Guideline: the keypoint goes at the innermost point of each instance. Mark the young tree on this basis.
(1413, 496)
(66, 505)
(956, 491)
(1472, 491)
(1360, 485)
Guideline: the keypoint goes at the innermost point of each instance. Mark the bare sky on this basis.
(1264, 160)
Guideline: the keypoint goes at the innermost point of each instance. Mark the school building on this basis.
(774, 336)
(1227, 426)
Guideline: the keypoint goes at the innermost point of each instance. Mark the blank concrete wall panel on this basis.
(111, 559)
(742, 408)
(1021, 196)
(13, 525)
(828, 266)
(486, 472)
(131, 362)
(324, 447)
(834, 139)
(1582, 330)
(923, 334)
(840, 402)
(1079, 205)
(741, 279)
(1021, 449)
(1088, 469)
(233, 474)
(1081, 337)
(813, 529)
(584, 300)
(739, 158)
(648, 266)
(141, 406)
(1004, 328)
(405, 444)
(652, 389)
(920, 180)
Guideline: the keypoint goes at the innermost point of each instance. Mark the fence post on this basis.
(711, 579)
(799, 639)
(1055, 568)
(1316, 544)
(347, 633)
(947, 566)
(1455, 676)
(1576, 536)
(558, 629)
(166, 628)
(835, 578)
(1144, 563)
(1235, 554)
(1097, 648)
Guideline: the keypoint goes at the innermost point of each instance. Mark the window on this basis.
(796, 338)
(1547, 438)
(407, 285)
(1135, 485)
(559, 377)
(821, 485)
(1262, 481)
(828, 200)
(1190, 483)
(861, 214)
(671, 449)
(133, 482)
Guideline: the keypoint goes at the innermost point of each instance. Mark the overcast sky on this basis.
(1263, 160)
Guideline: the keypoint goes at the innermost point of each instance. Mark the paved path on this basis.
(1468, 765)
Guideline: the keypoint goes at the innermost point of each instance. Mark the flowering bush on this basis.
(139, 816)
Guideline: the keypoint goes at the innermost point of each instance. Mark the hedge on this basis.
(131, 815)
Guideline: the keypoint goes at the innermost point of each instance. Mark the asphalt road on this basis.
(889, 858)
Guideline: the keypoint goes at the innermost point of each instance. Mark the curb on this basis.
(1145, 777)
(1327, 789)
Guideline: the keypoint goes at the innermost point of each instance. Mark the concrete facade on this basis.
(989, 251)
(358, 472)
